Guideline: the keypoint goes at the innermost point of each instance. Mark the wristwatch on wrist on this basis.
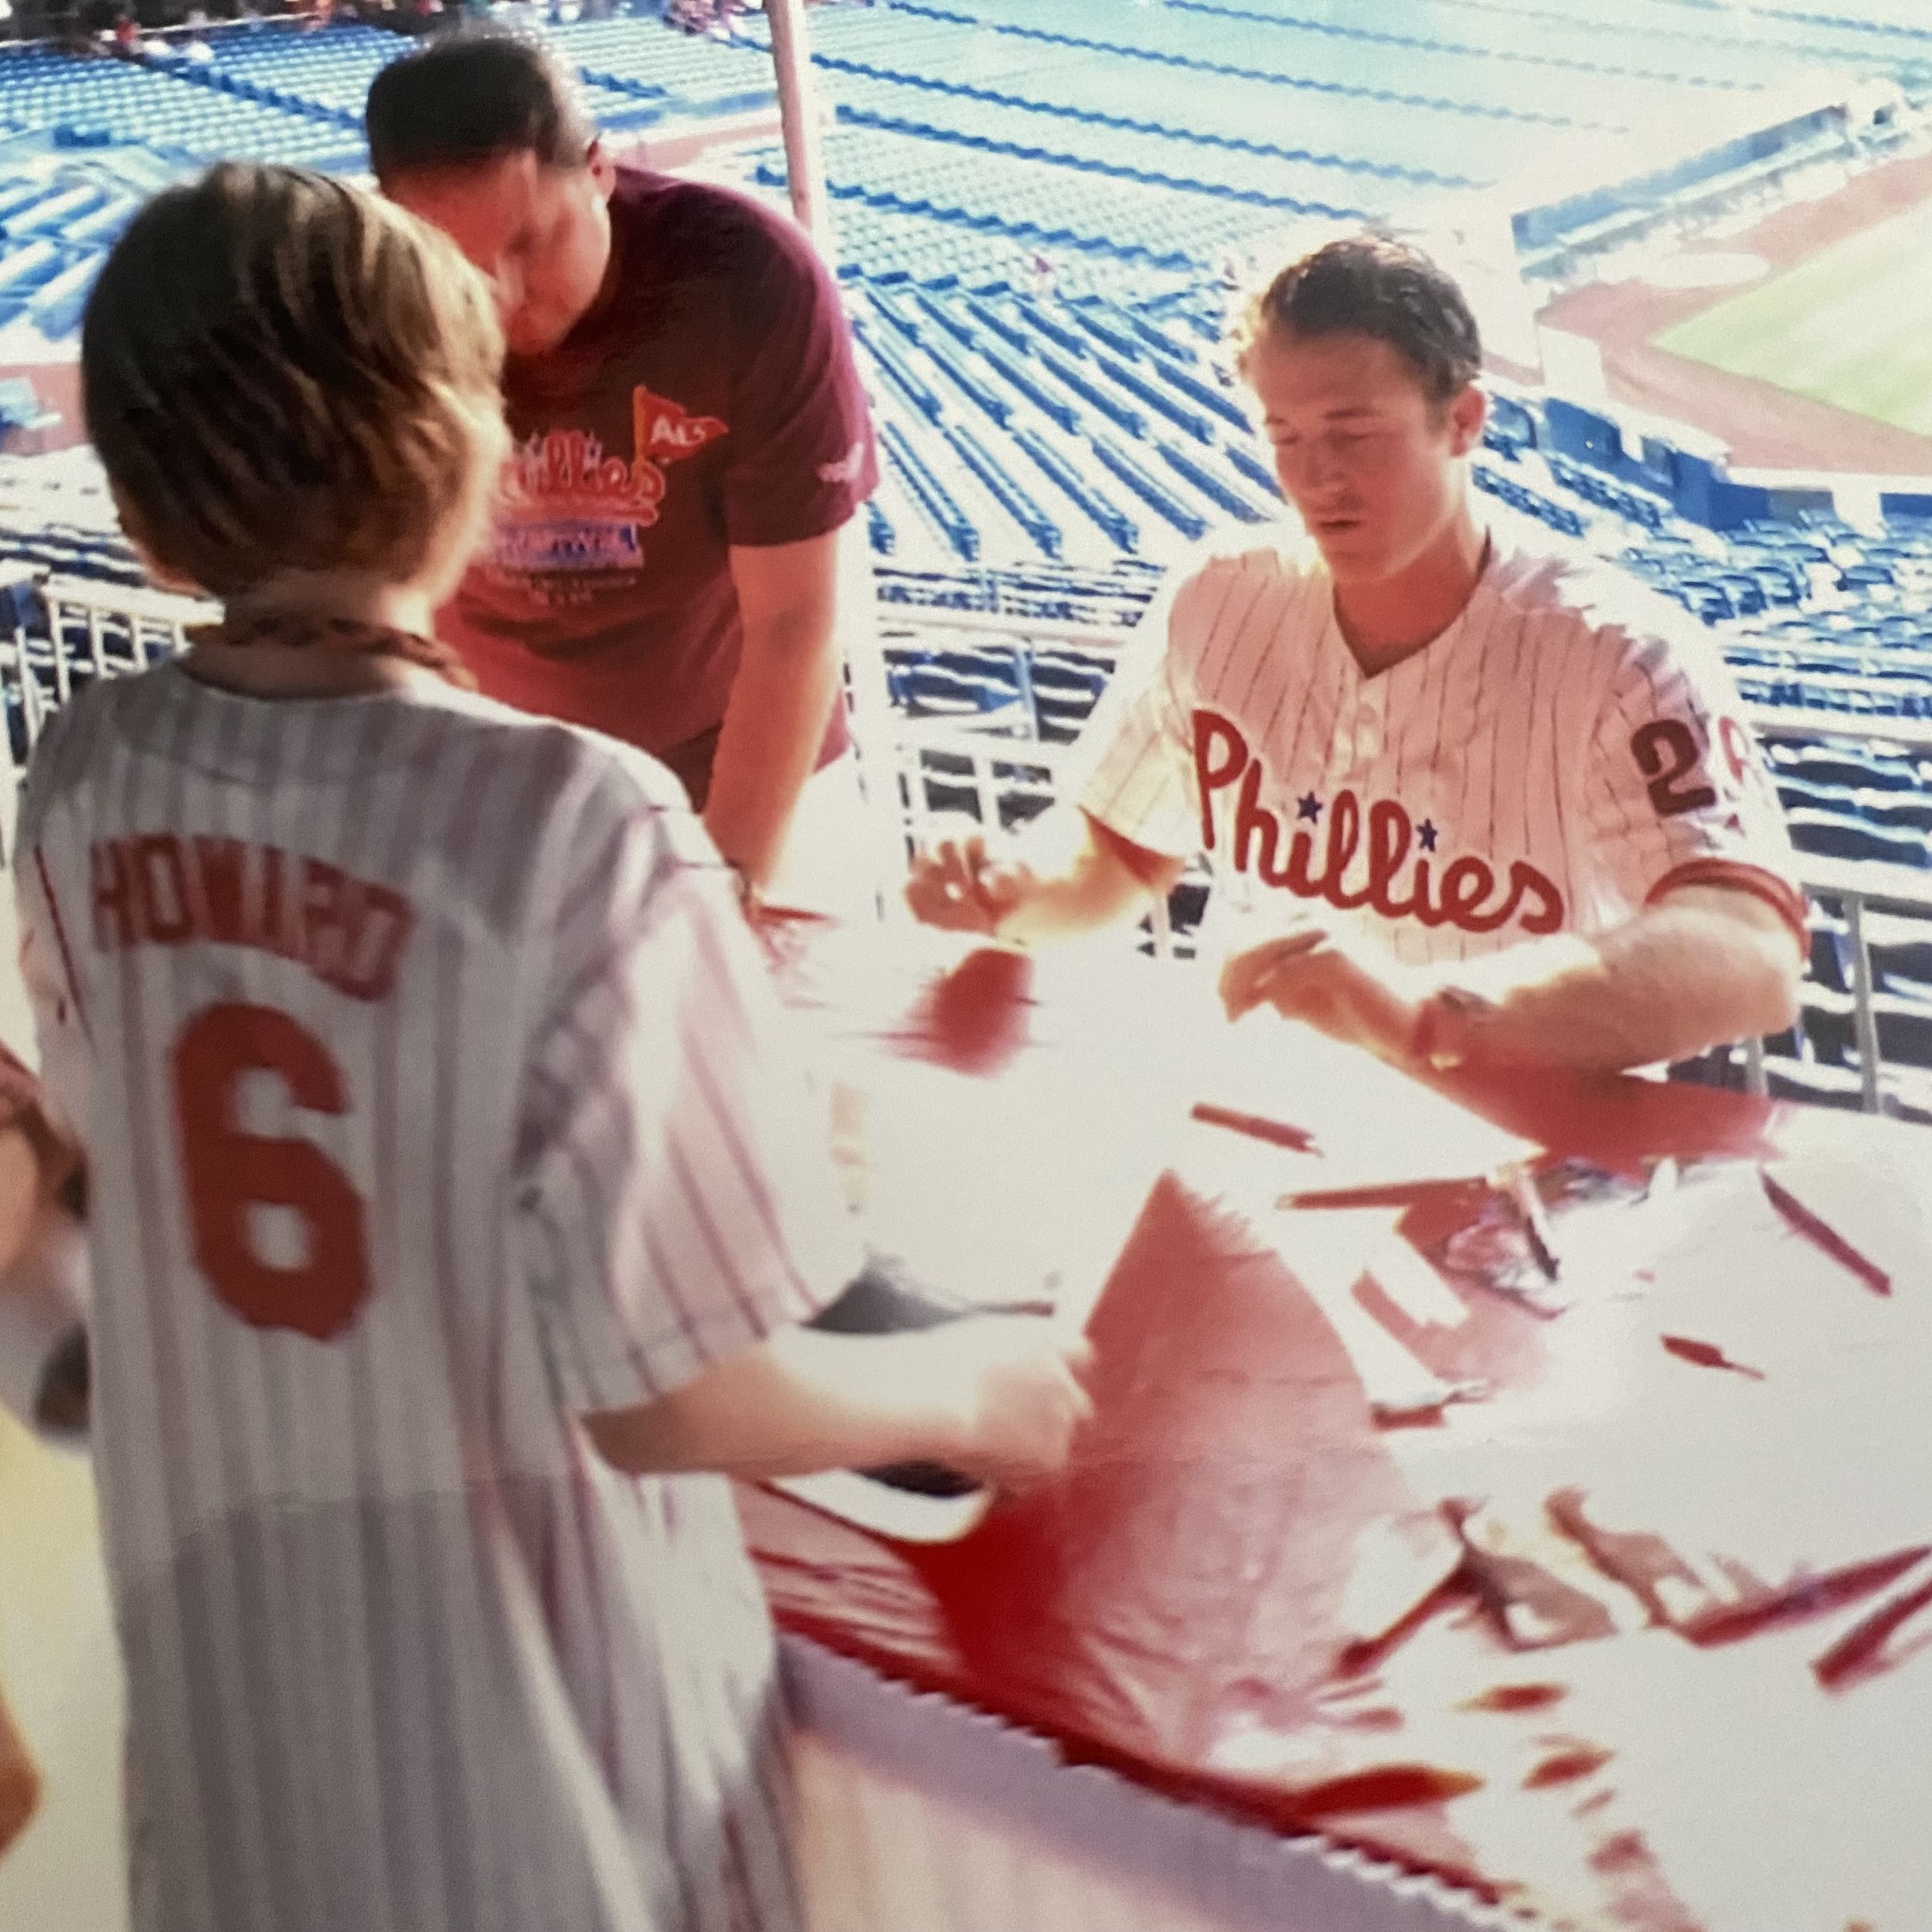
(1446, 1027)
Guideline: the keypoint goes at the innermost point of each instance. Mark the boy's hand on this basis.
(1021, 1398)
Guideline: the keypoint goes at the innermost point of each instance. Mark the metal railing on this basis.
(68, 628)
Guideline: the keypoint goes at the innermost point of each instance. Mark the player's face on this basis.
(1371, 463)
(541, 235)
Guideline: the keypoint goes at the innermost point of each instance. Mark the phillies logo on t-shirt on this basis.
(1463, 895)
(578, 509)
(559, 471)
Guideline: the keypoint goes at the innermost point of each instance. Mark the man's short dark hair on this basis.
(465, 98)
(1368, 285)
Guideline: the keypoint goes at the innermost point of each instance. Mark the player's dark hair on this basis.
(1368, 285)
(462, 99)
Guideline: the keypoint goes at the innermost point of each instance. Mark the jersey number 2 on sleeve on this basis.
(229, 1171)
(1667, 753)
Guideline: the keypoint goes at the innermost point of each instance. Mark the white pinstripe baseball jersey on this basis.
(1566, 750)
(435, 1093)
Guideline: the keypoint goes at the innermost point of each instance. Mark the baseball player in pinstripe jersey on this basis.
(1459, 798)
(453, 1203)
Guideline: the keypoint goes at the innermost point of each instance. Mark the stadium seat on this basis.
(1838, 835)
(1895, 810)
(1855, 770)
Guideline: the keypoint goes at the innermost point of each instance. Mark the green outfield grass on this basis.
(1852, 327)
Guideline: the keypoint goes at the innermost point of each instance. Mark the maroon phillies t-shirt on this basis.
(708, 398)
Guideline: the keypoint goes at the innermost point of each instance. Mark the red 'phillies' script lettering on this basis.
(160, 889)
(1464, 896)
(568, 469)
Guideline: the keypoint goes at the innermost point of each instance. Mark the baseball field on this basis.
(1850, 326)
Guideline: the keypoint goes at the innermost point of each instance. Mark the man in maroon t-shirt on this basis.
(692, 436)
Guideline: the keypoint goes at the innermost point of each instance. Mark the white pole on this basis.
(798, 113)
(865, 656)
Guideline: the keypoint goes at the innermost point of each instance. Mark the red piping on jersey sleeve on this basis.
(1780, 894)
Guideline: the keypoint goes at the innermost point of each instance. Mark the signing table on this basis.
(1397, 1583)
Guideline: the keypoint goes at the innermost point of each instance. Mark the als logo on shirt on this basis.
(576, 508)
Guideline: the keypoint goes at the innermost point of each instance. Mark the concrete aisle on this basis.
(61, 1671)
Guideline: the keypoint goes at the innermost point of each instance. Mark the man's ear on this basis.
(1468, 411)
(604, 169)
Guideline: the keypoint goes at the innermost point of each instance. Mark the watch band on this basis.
(1447, 1026)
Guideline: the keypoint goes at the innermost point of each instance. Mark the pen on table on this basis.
(1393, 1194)
(1517, 1179)
(1863, 1646)
(1823, 1235)
(1256, 1126)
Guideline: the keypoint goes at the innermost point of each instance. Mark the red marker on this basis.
(1257, 1126)
(1862, 1647)
(1834, 1244)
(1707, 1355)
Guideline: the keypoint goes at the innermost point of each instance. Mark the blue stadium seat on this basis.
(929, 493)
(1149, 488)
(1011, 496)
(1114, 521)
(1855, 770)
(1839, 835)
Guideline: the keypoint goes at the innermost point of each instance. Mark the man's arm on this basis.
(1065, 874)
(996, 1397)
(789, 596)
(45, 1372)
(1703, 966)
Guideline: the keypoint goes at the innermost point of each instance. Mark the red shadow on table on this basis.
(973, 1018)
(1178, 1593)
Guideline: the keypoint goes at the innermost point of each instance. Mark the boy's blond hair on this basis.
(282, 373)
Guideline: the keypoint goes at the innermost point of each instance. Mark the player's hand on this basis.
(1345, 987)
(1021, 1398)
(959, 884)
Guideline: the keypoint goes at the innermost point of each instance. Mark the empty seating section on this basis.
(1076, 416)
(1644, 41)
(54, 228)
(1033, 204)
(164, 110)
(1002, 123)
(331, 69)
(629, 61)
(1043, 695)
(1607, 93)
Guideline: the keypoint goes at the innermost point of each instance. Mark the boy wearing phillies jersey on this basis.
(1483, 801)
(451, 1199)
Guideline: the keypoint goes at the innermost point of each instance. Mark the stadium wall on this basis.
(1701, 489)
(1556, 222)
